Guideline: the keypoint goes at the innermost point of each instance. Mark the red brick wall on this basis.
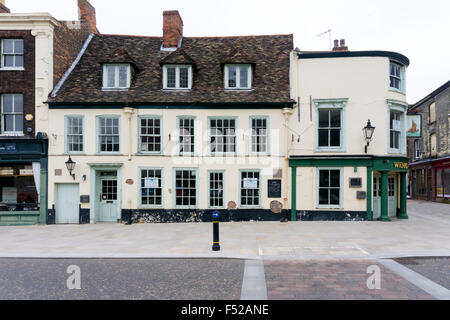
(86, 14)
(172, 29)
(22, 82)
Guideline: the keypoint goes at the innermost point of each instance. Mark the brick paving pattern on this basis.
(334, 280)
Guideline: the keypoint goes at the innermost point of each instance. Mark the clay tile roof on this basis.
(270, 55)
(177, 57)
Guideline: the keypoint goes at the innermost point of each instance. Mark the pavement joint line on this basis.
(427, 285)
(254, 281)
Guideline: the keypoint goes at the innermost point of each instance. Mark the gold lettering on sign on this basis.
(400, 165)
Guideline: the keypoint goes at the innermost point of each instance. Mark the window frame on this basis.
(393, 107)
(402, 78)
(240, 205)
(417, 152)
(2, 55)
(197, 193)
(223, 191)
(3, 132)
(177, 77)
(218, 154)
(238, 76)
(432, 104)
(330, 104)
(154, 117)
(139, 195)
(66, 133)
(268, 145)
(116, 76)
(341, 188)
(98, 130)
(183, 153)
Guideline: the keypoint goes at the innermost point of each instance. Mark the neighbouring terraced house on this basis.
(35, 51)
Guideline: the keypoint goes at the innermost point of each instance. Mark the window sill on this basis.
(143, 153)
(12, 134)
(109, 154)
(334, 208)
(146, 207)
(250, 207)
(324, 150)
(176, 90)
(12, 69)
(397, 91)
(238, 90)
(115, 89)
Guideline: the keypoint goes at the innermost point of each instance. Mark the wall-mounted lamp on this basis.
(71, 166)
(368, 133)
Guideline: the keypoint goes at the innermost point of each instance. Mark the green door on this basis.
(107, 197)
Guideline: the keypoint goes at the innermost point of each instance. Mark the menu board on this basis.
(274, 188)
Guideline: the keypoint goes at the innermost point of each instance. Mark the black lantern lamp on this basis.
(71, 166)
(368, 133)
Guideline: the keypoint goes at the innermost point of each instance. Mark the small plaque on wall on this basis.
(274, 188)
(84, 199)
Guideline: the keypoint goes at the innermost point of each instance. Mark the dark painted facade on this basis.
(429, 154)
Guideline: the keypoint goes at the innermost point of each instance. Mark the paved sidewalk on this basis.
(426, 233)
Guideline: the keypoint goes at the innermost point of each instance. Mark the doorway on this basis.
(67, 204)
(392, 196)
(107, 196)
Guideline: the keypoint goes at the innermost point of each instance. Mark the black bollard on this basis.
(216, 243)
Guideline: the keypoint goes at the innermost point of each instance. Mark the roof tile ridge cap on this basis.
(72, 66)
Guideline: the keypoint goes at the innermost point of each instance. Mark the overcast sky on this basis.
(418, 29)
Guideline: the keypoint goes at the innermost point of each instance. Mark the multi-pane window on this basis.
(330, 128)
(116, 76)
(417, 152)
(177, 77)
(109, 134)
(395, 129)
(150, 135)
(250, 188)
(396, 76)
(329, 187)
(222, 135)
(185, 188)
(186, 135)
(74, 134)
(109, 190)
(259, 135)
(216, 189)
(377, 186)
(12, 53)
(12, 113)
(151, 187)
(238, 76)
(391, 186)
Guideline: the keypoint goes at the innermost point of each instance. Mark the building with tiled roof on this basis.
(172, 128)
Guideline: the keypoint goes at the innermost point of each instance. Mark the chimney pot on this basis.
(342, 43)
(336, 43)
(172, 29)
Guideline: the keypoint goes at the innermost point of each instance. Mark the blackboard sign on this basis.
(274, 188)
(355, 182)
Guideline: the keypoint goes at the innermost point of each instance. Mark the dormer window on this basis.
(238, 76)
(116, 76)
(177, 77)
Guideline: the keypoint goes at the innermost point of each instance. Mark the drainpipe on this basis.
(129, 112)
(287, 112)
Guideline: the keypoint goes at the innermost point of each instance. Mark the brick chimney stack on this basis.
(340, 45)
(87, 16)
(172, 29)
(3, 7)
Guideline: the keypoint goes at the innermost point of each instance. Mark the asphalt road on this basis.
(436, 269)
(124, 279)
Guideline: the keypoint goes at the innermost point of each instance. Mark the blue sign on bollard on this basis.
(215, 214)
